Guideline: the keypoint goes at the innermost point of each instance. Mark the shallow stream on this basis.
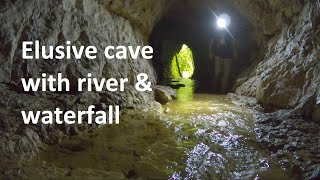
(199, 136)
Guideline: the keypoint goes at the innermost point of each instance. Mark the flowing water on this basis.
(219, 137)
(201, 136)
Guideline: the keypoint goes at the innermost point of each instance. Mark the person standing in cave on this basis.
(222, 51)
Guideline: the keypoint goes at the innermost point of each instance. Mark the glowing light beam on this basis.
(223, 21)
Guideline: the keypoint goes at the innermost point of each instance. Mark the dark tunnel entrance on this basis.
(194, 25)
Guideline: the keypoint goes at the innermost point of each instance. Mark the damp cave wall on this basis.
(287, 75)
(284, 74)
(55, 22)
(83, 22)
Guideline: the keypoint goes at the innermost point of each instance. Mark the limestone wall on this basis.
(55, 22)
(288, 75)
(83, 22)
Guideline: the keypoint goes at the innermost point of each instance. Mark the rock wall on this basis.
(288, 75)
(55, 22)
(83, 22)
(142, 13)
(270, 16)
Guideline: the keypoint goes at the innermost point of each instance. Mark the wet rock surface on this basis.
(288, 78)
(208, 135)
(141, 147)
(20, 141)
(162, 94)
(293, 140)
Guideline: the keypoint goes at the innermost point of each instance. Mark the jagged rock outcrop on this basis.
(55, 22)
(288, 76)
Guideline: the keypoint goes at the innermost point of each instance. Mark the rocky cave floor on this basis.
(295, 142)
(135, 149)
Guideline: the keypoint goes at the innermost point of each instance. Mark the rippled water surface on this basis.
(218, 138)
(200, 136)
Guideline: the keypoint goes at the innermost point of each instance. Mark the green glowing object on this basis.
(182, 63)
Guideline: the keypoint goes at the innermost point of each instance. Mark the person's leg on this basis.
(217, 72)
(226, 74)
(211, 70)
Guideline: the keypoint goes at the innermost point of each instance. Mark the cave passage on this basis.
(182, 64)
(195, 27)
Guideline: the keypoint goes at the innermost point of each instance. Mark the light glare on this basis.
(223, 21)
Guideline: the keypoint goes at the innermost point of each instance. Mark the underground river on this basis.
(198, 136)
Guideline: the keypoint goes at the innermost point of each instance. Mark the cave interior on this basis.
(265, 126)
(194, 24)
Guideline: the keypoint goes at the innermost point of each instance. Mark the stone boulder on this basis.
(170, 90)
(162, 96)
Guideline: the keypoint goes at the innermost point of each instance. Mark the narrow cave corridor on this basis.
(224, 98)
(195, 25)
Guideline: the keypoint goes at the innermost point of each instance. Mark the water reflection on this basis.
(185, 93)
(218, 138)
(208, 138)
